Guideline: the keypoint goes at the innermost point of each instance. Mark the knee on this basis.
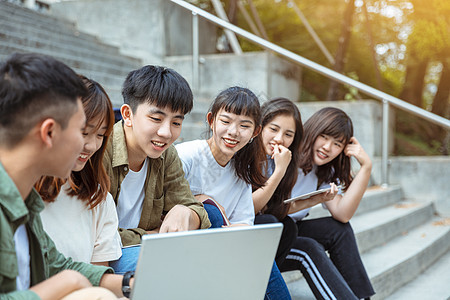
(265, 219)
(128, 260)
(308, 245)
(344, 228)
(214, 215)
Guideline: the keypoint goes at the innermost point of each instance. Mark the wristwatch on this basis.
(126, 289)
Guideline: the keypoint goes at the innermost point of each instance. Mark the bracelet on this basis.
(126, 289)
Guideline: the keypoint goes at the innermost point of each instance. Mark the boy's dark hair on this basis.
(157, 85)
(34, 87)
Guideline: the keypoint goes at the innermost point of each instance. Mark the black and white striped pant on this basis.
(340, 274)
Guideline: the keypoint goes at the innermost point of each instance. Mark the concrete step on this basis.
(378, 227)
(404, 258)
(396, 263)
(18, 23)
(25, 30)
(31, 35)
(111, 84)
(40, 20)
(89, 61)
(98, 75)
(431, 284)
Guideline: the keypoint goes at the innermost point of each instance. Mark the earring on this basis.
(251, 140)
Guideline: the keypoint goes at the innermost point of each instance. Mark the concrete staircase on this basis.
(25, 30)
(404, 246)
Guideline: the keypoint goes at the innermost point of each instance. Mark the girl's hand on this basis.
(314, 200)
(330, 194)
(327, 196)
(355, 149)
(282, 157)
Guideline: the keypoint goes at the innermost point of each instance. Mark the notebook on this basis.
(224, 263)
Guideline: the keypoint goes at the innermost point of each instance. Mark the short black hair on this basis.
(157, 85)
(34, 87)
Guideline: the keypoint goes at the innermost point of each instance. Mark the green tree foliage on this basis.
(411, 38)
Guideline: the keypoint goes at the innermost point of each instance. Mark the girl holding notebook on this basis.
(324, 159)
(225, 166)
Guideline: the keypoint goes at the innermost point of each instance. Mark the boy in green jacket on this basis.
(41, 124)
(147, 179)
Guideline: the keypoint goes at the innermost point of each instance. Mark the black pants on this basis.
(288, 235)
(339, 275)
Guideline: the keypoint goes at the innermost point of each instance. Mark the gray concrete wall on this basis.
(178, 32)
(266, 75)
(423, 178)
(148, 29)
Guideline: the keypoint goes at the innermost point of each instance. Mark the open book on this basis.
(309, 195)
(213, 202)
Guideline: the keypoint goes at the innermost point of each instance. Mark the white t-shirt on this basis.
(206, 176)
(86, 235)
(22, 246)
(131, 197)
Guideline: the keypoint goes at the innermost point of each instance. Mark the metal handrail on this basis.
(377, 94)
(318, 68)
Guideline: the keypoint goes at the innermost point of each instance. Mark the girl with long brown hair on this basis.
(80, 214)
(325, 152)
(281, 134)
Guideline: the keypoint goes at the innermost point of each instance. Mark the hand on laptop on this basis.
(235, 225)
(180, 218)
(154, 231)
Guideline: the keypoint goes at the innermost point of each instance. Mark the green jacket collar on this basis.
(119, 146)
(11, 200)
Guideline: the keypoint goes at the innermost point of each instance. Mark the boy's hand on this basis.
(177, 219)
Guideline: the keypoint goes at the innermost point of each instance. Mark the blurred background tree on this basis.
(401, 47)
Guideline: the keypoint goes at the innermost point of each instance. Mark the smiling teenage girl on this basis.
(81, 207)
(226, 165)
(325, 153)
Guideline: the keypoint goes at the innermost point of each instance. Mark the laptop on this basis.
(223, 263)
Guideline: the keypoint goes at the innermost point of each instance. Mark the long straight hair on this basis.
(91, 184)
(270, 110)
(336, 123)
(247, 161)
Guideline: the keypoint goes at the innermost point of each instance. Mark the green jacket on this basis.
(46, 260)
(165, 186)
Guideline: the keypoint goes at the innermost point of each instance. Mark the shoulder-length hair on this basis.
(247, 161)
(91, 184)
(336, 123)
(270, 110)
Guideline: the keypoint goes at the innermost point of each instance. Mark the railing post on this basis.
(195, 54)
(385, 145)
